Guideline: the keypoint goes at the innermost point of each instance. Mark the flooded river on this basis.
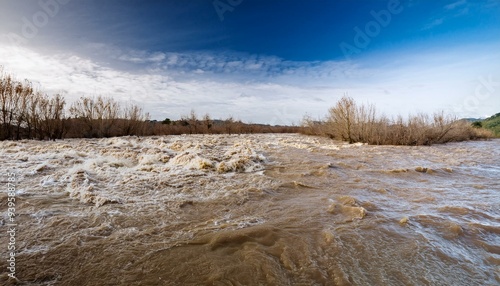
(251, 210)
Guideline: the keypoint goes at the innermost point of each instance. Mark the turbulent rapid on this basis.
(275, 209)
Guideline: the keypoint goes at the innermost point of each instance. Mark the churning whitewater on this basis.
(275, 209)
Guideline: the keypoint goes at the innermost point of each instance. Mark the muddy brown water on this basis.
(252, 210)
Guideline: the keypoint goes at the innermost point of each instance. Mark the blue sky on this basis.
(260, 61)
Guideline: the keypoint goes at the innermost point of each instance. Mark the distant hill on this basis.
(493, 123)
(472, 119)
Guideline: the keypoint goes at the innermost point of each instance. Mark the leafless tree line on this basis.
(26, 113)
(96, 117)
(29, 114)
(192, 124)
(351, 122)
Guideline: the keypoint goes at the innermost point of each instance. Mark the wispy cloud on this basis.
(433, 24)
(455, 5)
(450, 11)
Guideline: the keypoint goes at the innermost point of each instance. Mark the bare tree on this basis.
(8, 102)
(107, 111)
(207, 123)
(57, 104)
(33, 116)
(83, 110)
(25, 95)
(342, 118)
(191, 121)
(98, 114)
(134, 120)
(229, 123)
(51, 114)
(365, 121)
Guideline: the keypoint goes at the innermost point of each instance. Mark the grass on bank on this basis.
(491, 123)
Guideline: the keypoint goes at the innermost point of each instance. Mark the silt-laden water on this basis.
(252, 210)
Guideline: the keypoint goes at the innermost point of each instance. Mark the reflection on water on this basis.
(253, 210)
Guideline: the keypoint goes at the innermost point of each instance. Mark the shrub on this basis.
(26, 113)
(348, 121)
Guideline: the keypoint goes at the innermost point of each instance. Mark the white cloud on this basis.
(264, 89)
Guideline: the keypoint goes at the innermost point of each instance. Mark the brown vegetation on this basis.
(29, 114)
(351, 122)
(192, 125)
(105, 117)
(25, 113)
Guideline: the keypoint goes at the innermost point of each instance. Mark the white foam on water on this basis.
(148, 192)
(129, 169)
(48, 181)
